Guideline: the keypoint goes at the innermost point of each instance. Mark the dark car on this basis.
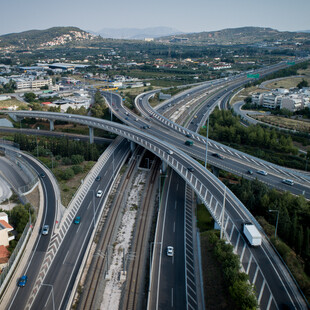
(218, 155)
(22, 281)
(42, 175)
(77, 220)
(250, 172)
(191, 169)
(98, 178)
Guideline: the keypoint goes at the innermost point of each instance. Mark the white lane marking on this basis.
(65, 257)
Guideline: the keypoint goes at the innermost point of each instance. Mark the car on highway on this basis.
(22, 281)
(170, 250)
(218, 155)
(99, 193)
(170, 152)
(288, 182)
(42, 175)
(250, 172)
(98, 178)
(45, 230)
(191, 169)
(77, 220)
(261, 172)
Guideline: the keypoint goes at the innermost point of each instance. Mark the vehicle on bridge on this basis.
(22, 281)
(252, 235)
(189, 142)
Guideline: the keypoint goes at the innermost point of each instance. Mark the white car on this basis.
(262, 172)
(99, 193)
(288, 182)
(170, 152)
(170, 251)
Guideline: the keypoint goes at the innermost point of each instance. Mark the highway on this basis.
(21, 295)
(273, 284)
(57, 286)
(276, 286)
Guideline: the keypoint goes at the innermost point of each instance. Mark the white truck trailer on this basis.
(252, 234)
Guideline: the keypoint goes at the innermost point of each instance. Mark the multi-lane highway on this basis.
(273, 283)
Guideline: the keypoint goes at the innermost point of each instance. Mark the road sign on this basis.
(204, 127)
(291, 63)
(253, 76)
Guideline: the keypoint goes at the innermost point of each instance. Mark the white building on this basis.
(292, 103)
(32, 84)
(5, 228)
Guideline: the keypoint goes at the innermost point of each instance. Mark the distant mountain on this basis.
(136, 33)
(306, 31)
(44, 38)
(244, 35)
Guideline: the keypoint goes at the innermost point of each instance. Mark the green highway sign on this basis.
(253, 76)
(204, 127)
(291, 63)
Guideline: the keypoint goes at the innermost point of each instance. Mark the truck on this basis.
(252, 234)
(189, 142)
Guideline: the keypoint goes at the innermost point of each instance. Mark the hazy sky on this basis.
(187, 16)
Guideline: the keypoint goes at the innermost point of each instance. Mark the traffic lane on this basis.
(61, 272)
(172, 281)
(60, 275)
(11, 174)
(41, 243)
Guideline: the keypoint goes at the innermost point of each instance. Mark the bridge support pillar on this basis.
(91, 135)
(51, 125)
(132, 146)
(163, 167)
(215, 171)
(15, 117)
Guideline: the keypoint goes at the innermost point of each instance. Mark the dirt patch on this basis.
(69, 187)
(34, 198)
(287, 83)
(293, 124)
(216, 293)
(245, 93)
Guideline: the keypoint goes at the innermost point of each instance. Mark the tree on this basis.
(30, 97)
(302, 84)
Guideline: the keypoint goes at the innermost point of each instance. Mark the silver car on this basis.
(45, 230)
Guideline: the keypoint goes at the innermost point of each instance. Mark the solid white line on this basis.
(162, 238)
(48, 298)
(65, 257)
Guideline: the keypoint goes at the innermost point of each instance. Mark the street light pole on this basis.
(223, 214)
(206, 159)
(93, 204)
(277, 220)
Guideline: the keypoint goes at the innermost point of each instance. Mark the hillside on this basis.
(136, 33)
(43, 38)
(244, 35)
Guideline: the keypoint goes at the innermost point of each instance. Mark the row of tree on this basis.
(240, 289)
(294, 213)
(226, 127)
(62, 147)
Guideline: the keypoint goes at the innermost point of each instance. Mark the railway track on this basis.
(99, 263)
(133, 287)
